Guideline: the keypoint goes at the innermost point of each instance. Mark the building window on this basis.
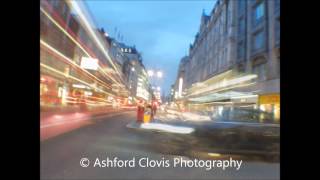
(55, 3)
(225, 57)
(277, 30)
(260, 71)
(241, 6)
(227, 18)
(212, 66)
(208, 68)
(220, 62)
(65, 9)
(258, 13)
(241, 28)
(241, 50)
(258, 40)
(277, 5)
(278, 65)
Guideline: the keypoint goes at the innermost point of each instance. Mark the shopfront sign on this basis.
(269, 99)
(89, 63)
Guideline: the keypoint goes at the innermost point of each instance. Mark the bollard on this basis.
(147, 115)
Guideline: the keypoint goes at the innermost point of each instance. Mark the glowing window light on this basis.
(87, 93)
(60, 92)
(71, 77)
(79, 86)
(244, 96)
(69, 60)
(64, 95)
(220, 109)
(214, 154)
(180, 87)
(226, 83)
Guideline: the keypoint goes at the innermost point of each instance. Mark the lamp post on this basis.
(159, 74)
(152, 73)
(155, 75)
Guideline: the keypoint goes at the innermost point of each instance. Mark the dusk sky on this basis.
(160, 30)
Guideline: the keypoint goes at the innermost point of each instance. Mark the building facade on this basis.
(212, 52)
(182, 78)
(235, 53)
(258, 49)
(135, 74)
(77, 69)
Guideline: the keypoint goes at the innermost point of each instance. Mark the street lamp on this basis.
(159, 74)
(132, 69)
(150, 73)
(180, 87)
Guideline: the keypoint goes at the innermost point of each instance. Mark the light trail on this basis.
(75, 6)
(74, 40)
(89, 97)
(73, 37)
(244, 96)
(225, 84)
(229, 88)
(167, 128)
(64, 31)
(74, 78)
(73, 63)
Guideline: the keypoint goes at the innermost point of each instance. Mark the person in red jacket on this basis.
(154, 109)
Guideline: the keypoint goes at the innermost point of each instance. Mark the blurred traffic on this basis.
(229, 131)
(82, 68)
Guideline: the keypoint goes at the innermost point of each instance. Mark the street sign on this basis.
(89, 63)
(269, 99)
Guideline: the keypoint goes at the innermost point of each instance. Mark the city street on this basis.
(109, 137)
(161, 90)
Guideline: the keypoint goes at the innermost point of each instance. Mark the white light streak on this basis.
(89, 27)
(167, 128)
(75, 41)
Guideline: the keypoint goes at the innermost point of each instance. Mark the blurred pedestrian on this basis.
(154, 108)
